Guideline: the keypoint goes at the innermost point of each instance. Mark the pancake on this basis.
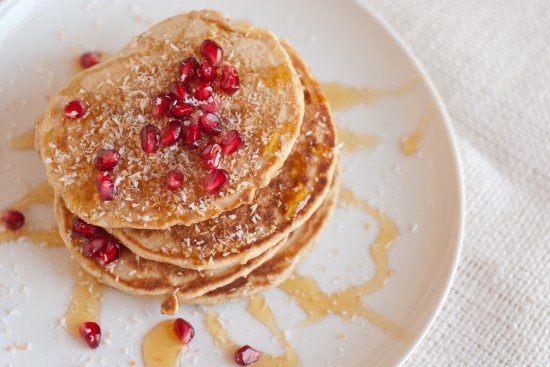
(245, 232)
(134, 275)
(267, 110)
(278, 268)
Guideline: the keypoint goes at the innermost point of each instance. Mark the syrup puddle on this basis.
(85, 300)
(161, 347)
(259, 310)
(24, 141)
(355, 141)
(348, 303)
(411, 143)
(342, 97)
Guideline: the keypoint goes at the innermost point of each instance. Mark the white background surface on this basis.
(490, 60)
(416, 192)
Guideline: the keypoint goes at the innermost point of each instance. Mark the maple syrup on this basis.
(258, 309)
(24, 141)
(85, 302)
(42, 194)
(348, 303)
(355, 141)
(411, 143)
(342, 97)
(161, 347)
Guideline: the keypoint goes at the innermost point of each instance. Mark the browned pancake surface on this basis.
(288, 201)
(267, 111)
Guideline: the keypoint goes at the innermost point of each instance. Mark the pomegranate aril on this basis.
(193, 136)
(246, 355)
(203, 91)
(215, 179)
(172, 133)
(91, 332)
(89, 59)
(180, 109)
(178, 91)
(109, 253)
(93, 247)
(13, 219)
(106, 159)
(207, 71)
(210, 123)
(150, 139)
(229, 80)
(76, 109)
(212, 52)
(188, 70)
(212, 105)
(174, 179)
(212, 154)
(184, 330)
(161, 105)
(231, 142)
(105, 186)
(82, 229)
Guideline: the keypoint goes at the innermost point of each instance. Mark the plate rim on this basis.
(456, 159)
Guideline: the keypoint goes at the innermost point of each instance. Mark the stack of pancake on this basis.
(193, 245)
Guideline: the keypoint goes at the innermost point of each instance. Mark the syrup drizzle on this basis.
(24, 141)
(42, 194)
(161, 347)
(348, 303)
(259, 309)
(43, 237)
(410, 144)
(355, 141)
(85, 300)
(342, 97)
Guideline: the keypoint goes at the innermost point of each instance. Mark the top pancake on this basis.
(245, 232)
(267, 111)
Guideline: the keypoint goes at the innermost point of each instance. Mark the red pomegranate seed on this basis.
(193, 136)
(150, 138)
(93, 247)
(13, 219)
(188, 69)
(180, 109)
(82, 229)
(210, 123)
(213, 104)
(91, 332)
(212, 154)
(231, 141)
(229, 81)
(174, 179)
(108, 253)
(105, 186)
(76, 109)
(161, 105)
(212, 52)
(246, 355)
(184, 330)
(178, 91)
(89, 59)
(172, 133)
(203, 91)
(215, 179)
(207, 71)
(106, 159)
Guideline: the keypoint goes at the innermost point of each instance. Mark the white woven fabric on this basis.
(490, 60)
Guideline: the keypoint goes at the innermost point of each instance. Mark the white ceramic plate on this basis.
(343, 42)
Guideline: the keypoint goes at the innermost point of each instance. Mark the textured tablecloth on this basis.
(490, 61)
